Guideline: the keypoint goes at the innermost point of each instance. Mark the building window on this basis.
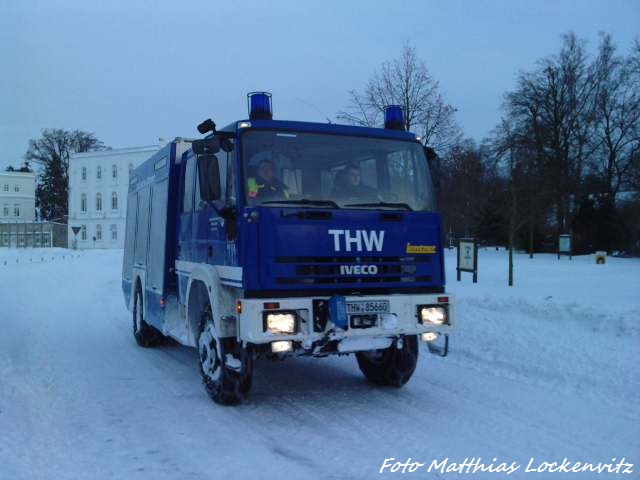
(16, 188)
(83, 232)
(16, 210)
(5, 211)
(114, 201)
(114, 171)
(98, 202)
(114, 232)
(99, 172)
(83, 203)
(98, 232)
(84, 173)
(6, 187)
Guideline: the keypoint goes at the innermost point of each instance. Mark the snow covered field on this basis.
(547, 369)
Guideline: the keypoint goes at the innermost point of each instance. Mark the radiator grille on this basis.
(327, 270)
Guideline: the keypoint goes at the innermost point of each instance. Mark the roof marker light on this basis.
(393, 117)
(259, 106)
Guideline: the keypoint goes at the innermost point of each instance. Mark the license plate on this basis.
(378, 306)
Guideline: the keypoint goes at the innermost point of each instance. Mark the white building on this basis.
(98, 184)
(17, 196)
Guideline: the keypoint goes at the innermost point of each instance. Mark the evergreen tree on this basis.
(52, 150)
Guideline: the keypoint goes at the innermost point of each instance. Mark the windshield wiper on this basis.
(304, 201)
(380, 204)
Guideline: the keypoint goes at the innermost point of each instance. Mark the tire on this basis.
(224, 384)
(145, 335)
(391, 366)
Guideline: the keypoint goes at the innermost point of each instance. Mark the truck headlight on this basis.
(281, 346)
(280, 322)
(430, 337)
(433, 315)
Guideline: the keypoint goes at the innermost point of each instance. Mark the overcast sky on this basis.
(133, 71)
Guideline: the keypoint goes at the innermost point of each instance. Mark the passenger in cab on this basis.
(348, 184)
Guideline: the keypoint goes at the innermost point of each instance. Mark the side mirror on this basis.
(433, 161)
(207, 126)
(209, 178)
(206, 146)
(431, 155)
(226, 145)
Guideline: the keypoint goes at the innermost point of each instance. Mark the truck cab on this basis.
(277, 238)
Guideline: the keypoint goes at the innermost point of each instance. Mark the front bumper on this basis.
(332, 338)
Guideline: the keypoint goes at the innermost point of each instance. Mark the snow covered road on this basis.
(547, 369)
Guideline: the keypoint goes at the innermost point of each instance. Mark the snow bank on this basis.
(36, 255)
(568, 322)
(545, 369)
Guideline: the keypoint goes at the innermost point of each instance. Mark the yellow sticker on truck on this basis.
(423, 249)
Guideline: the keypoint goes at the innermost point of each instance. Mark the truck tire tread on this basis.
(231, 386)
(391, 366)
(146, 336)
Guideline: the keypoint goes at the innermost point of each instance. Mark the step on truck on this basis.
(271, 238)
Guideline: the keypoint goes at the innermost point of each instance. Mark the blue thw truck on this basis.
(273, 238)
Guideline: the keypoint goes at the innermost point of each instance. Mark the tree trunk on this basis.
(512, 218)
(512, 234)
(531, 237)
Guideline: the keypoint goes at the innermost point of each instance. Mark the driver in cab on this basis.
(265, 185)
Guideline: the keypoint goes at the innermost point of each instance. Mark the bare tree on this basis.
(634, 59)
(465, 187)
(406, 81)
(53, 150)
(552, 107)
(616, 133)
(516, 163)
(59, 144)
(634, 63)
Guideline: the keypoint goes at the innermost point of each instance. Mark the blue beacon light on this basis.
(393, 117)
(260, 106)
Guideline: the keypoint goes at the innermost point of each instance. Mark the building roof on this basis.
(18, 174)
(116, 151)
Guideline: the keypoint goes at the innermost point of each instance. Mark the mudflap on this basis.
(439, 350)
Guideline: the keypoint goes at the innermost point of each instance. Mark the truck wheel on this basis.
(225, 383)
(145, 335)
(391, 366)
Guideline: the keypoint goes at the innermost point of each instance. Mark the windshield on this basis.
(332, 171)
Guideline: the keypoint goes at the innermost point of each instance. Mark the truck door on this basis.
(209, 228)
